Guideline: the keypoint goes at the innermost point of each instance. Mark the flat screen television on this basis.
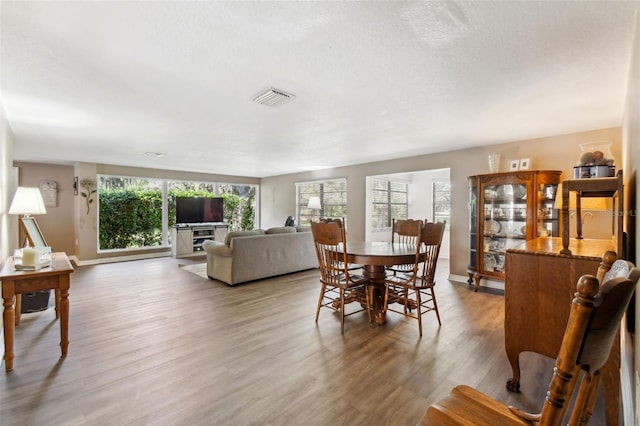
(199, 210)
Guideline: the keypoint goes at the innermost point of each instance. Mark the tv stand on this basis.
(187, 239)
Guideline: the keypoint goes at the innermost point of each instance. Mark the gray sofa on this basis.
(252, 255)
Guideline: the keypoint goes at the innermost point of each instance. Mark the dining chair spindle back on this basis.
(403, 231)
(339, 286)
(419, 293)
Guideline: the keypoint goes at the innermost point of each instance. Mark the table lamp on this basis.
(27, 201)
(314, 204)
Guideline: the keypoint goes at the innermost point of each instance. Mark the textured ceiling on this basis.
(107, 82)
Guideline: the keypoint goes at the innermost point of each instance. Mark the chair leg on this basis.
(419, 311)
(322, 290)
(583, 409)
(342, 311)
(435, 304)
(385, 303)
(405, 293)
(368, 301)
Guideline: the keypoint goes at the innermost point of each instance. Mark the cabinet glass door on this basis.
(547, 214)
(473, 226)
(505, 223)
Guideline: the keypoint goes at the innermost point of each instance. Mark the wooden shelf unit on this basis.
(187, 240)
(609, 187)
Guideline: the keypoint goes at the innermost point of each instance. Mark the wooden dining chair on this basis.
(403, 232)
(432, 234)
(404, 275)
(593, 324)
(419, 294)
(339, 286)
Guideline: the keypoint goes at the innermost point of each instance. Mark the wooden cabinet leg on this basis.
(513, 384)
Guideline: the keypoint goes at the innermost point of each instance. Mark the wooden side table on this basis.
(595, 188)
(56, 277)
(539, 287)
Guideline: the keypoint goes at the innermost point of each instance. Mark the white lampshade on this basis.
(27, 201)
(314, 203)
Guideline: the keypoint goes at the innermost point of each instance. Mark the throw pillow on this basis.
(281, 230)
(231, 235)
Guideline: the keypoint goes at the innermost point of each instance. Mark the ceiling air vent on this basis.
(273, 97)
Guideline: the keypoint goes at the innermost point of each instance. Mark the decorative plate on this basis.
(489, 194)
(492, 227)
(519, 191)
(505, 192)
(509, 192)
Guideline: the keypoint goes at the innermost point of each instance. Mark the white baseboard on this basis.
(626, 374)
(114, 259)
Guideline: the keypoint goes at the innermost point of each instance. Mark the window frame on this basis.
(438, 217)
(388, 202)
(327, 199)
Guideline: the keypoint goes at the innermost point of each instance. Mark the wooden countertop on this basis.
(551, 246)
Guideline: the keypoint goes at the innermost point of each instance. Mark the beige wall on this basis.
(549, 153)
(59, 220)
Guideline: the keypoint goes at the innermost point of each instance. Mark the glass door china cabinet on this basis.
(505, 210)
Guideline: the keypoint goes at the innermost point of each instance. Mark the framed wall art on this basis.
(49, 191)
(525, 164)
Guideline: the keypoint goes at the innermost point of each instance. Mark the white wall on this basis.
(8, 224)
(631, 164)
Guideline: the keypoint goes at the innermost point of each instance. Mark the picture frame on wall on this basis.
(525, 164)
(513, 165)
(49, 191)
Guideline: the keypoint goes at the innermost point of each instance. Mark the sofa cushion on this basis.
(281, 230)
(231, 235)
(303, 228)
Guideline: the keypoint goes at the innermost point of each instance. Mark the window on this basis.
(130, 212)
(333, 200)
(389, 201)
(442, 201)
(138, 212)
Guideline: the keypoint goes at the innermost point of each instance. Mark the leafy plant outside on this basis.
(132, 218)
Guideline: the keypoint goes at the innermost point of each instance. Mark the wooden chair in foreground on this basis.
(593, 324)
(339, 286)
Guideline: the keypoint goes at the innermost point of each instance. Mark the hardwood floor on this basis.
(151, 343)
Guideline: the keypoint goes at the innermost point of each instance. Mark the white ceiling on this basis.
(106, 82)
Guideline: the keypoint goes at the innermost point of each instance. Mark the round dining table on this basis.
(375, 256)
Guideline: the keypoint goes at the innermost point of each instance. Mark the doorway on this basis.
(422, 195)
